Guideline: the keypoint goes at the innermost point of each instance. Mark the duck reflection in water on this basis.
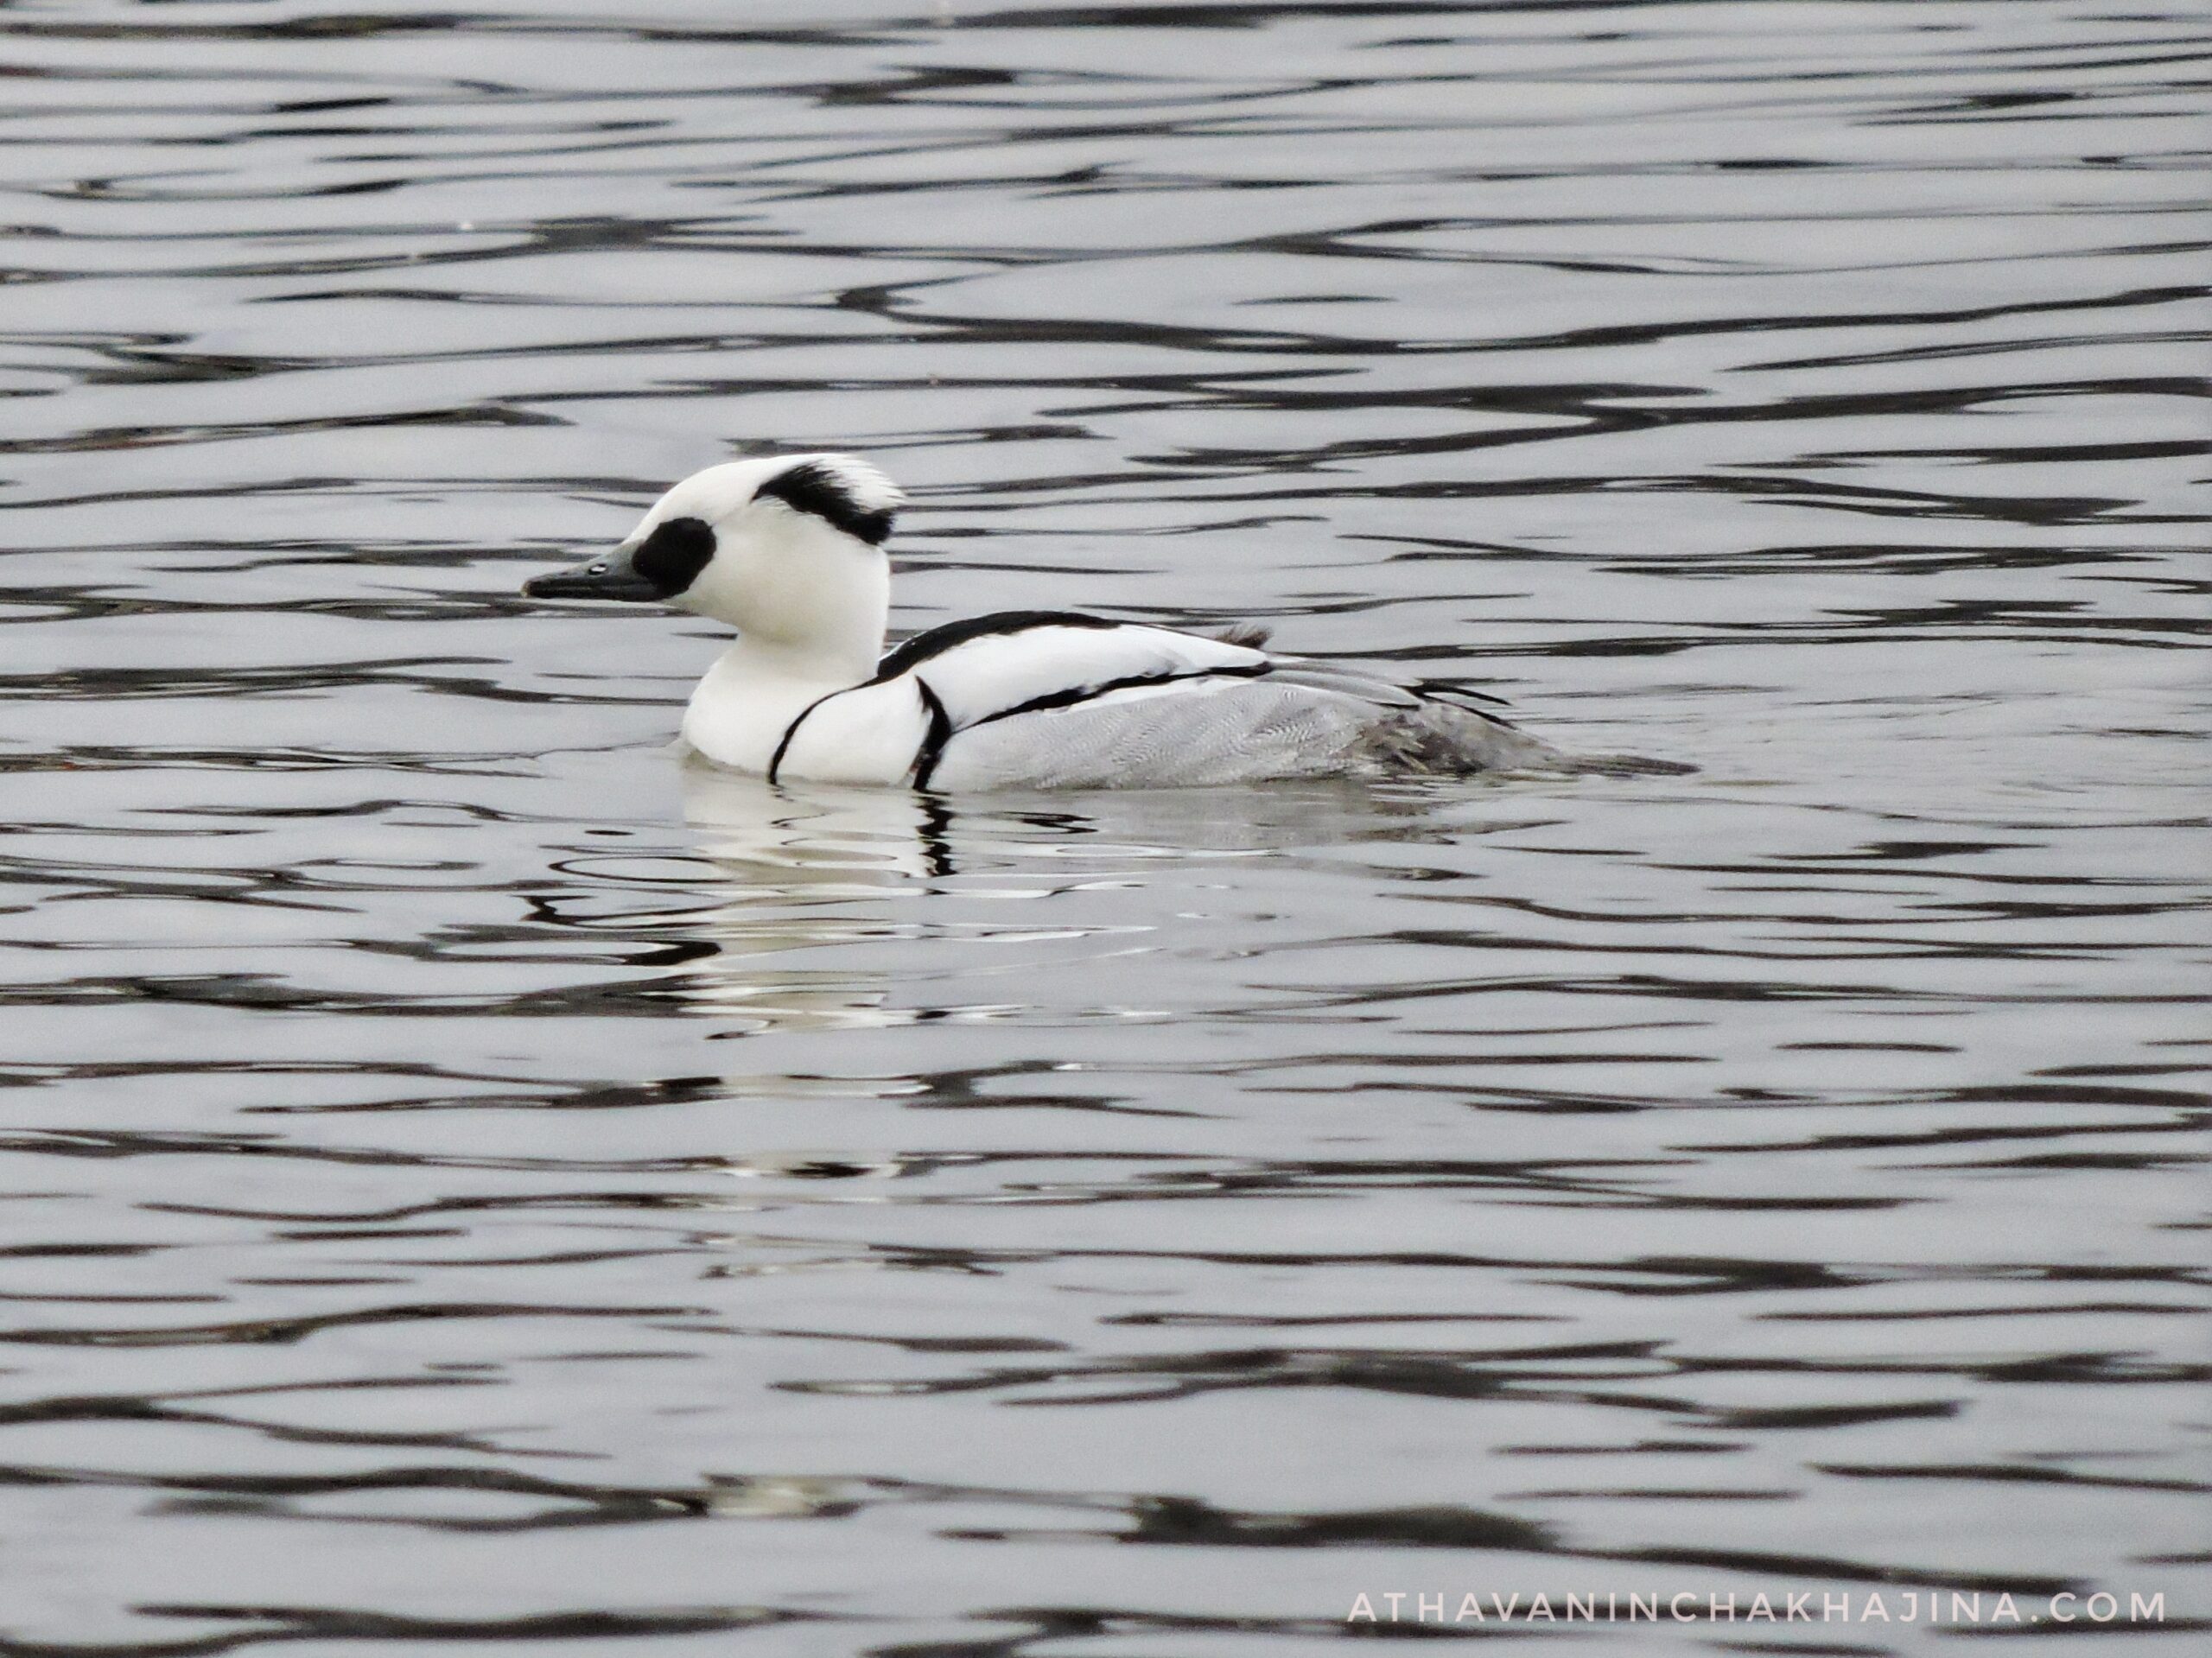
(854, 877)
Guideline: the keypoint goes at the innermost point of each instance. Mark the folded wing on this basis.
(1017, 662)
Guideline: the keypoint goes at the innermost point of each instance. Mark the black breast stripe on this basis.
(941, 731)
(784, 742)
(934, 739)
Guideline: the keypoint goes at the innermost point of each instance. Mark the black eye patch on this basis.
(672, 556)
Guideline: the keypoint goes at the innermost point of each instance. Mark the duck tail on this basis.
(1442, 737)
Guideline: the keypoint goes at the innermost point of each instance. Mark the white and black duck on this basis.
(789, 551)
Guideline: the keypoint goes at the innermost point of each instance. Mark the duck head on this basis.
(788, 550)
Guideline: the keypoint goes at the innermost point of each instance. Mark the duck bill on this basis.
(611, 576)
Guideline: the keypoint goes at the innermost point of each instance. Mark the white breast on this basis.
(871, 733)
(749, 704)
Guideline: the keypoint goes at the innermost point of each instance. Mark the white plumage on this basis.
(789, 552)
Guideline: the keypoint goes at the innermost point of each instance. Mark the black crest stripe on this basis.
(821, 491)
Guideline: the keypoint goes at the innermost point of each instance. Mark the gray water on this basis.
(473, 1181)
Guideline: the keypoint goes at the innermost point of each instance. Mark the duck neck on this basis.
(811, 614)
(783, 662)
(822, 665)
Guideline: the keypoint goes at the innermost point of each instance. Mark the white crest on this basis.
(715, 494)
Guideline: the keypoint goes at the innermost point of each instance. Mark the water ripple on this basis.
(451, 1138)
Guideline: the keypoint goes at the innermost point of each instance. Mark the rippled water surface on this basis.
(472, 1180)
